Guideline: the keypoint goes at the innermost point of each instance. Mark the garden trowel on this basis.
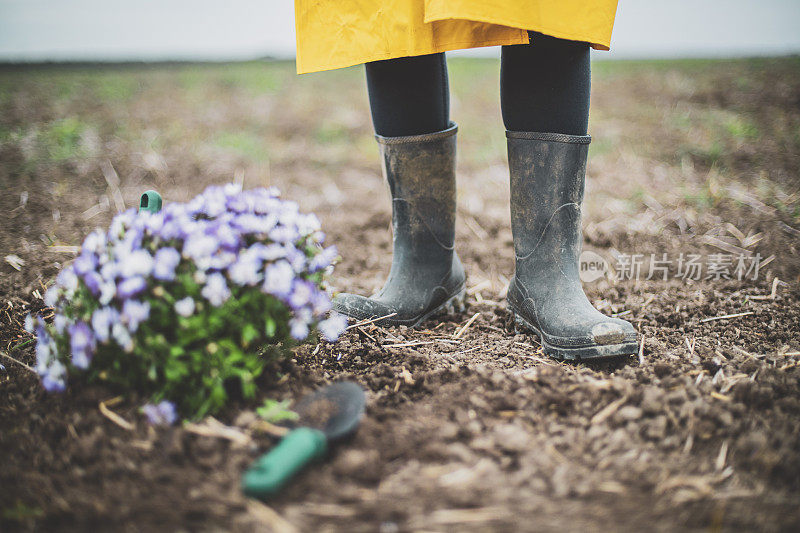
(331, 413)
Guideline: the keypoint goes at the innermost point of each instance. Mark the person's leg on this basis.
(409, 95)
(545, 85)
(409, 102)
(545, 102)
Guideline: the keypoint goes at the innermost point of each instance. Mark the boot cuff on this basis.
(436, 135)
(551, 137)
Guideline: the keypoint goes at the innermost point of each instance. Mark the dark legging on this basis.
(544, 87)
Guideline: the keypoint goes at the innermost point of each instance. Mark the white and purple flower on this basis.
(216, 290)
(134, 313)
(185, 261)
(136, 263)
(102, 321)
(332, 327)
(324, 259)
(130, 287)
(165, 262)
(82, 344)
(162, 413)
(185, 306)
(278, 279)
(246, 270)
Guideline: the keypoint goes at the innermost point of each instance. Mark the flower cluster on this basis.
(173, 303)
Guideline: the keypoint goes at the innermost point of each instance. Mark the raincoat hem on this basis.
(443, 47)
(559, 34)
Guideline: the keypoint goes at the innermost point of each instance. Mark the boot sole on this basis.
(454, 304)
(583, 353)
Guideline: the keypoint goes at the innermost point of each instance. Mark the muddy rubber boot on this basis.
(426, 275)
(547, 181)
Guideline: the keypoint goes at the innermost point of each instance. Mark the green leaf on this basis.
(270, 327)
(249, 334)
(274, 411)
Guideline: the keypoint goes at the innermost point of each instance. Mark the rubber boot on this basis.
(426, 275)
(547, 181)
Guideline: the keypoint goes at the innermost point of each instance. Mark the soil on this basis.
(699, 431)
(318, 413)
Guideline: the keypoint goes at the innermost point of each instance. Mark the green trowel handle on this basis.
(272, 470)
(150, 201)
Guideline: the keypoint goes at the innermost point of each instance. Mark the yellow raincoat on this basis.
(339, 33)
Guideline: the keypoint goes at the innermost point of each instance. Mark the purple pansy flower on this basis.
(164, 264)
(200, 246)
(108, 289)
(67, 279)
(298, 329)
(269, 252)
(131, 287)
(284, 234)
(60, 324)
(323, 260)
(162, 413)
(81, 344)
(93, 282)
(85, 263)
(302, 292)
(216, 290)
(110, 270)
(278, 279)
(54, 377)
(136, 263)
(51, 296)
(245, 271)
(102, 320)
(320, 302)
(332, 327)
(94, 243)
(185, 306)
(122, 336)
(134, 313)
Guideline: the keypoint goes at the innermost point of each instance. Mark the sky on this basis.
(114, 30)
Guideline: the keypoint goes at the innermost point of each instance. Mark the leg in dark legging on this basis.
(545, 85)
(545, 102)
(409, 95)
(409, 102)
